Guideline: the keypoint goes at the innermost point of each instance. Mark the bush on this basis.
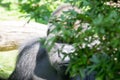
(97, 48)
(39, 10)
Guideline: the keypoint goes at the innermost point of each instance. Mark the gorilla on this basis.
(34, 62)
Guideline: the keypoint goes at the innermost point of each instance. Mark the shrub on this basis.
(97, 48)
(39, 10)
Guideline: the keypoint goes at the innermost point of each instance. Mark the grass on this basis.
(9, 10)
(7, 62)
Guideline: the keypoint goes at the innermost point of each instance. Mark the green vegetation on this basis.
(39, 10)
(7, 63)
(98, 47)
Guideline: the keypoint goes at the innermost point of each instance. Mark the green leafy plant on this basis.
(97, 48)
(39, 10)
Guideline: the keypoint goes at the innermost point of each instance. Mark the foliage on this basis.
(39, 10)
(97, 49)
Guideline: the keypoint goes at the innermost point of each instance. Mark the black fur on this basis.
(33, 64)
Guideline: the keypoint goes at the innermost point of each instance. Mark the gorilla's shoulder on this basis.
(30, 44)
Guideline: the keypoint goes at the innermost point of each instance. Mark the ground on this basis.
(7, 62)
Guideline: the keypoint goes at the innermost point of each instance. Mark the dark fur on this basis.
(33, 64)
